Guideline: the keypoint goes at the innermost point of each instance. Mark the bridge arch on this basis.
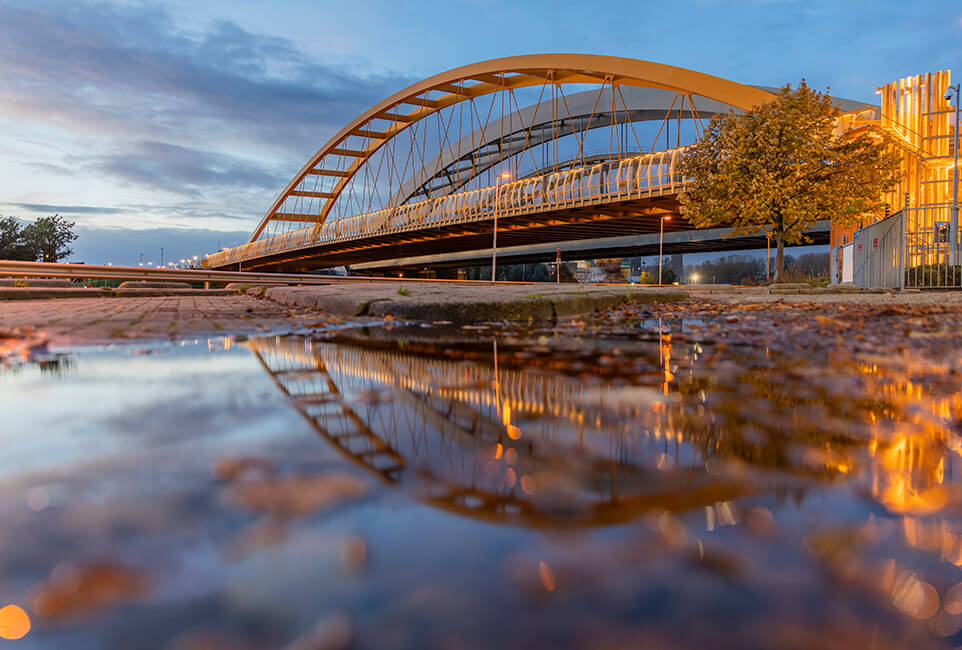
(347, 151)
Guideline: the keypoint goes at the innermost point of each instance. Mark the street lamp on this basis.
(661, 239)
(950, 94)
(497, 200)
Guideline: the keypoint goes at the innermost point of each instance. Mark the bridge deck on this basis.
(577, 223)
(620, 196)
(612, 201)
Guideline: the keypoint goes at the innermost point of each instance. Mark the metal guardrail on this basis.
(630, 178)
(85, 271)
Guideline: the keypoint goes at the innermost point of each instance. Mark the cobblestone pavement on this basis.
(73, 321)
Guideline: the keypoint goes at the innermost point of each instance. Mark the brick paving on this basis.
(71, 321)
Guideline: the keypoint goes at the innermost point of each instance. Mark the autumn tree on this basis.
(12, 244)
(779, 168)
(50, 238)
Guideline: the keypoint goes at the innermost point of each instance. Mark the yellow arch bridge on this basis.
(578, 152)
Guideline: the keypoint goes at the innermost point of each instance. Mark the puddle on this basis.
(436, 487)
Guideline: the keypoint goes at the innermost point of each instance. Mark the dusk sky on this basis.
(176, 124)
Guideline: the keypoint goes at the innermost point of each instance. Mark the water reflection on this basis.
(702, 433)
(651, 490)
(603, 451)
(498, 443)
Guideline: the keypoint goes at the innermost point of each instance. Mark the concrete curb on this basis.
(459, 307)
(145, 284)
(35, 283)
(43, 293)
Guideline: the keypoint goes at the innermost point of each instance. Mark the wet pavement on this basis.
(688, 475)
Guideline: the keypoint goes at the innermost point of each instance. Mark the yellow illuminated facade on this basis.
(919, 119)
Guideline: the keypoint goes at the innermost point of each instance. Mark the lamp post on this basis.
(661, 239)
(950, 94)
(494, 241)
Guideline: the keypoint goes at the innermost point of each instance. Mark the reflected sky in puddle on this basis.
(406, 488)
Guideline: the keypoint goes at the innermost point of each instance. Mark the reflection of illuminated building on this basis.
(909, 463)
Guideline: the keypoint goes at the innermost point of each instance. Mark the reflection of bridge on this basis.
(505, 441)
(421, 178)
(500, 445)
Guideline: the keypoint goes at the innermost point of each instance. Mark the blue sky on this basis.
(176, 123)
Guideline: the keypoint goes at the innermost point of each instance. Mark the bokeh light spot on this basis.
(14, 623)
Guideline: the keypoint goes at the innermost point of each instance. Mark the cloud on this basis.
(108, 70)
(165, 166)
(63, 209)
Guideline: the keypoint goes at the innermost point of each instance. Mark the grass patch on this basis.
(402, 291)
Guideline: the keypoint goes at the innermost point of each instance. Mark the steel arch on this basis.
(583, 109)
(492, 76)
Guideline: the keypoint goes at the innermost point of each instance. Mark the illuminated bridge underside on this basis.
(644, 245)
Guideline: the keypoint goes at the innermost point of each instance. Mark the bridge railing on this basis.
(625, 179)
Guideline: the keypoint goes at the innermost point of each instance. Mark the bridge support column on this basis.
(678, 266)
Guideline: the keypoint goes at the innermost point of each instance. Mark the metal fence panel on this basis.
(878, 251)
(847, 263)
